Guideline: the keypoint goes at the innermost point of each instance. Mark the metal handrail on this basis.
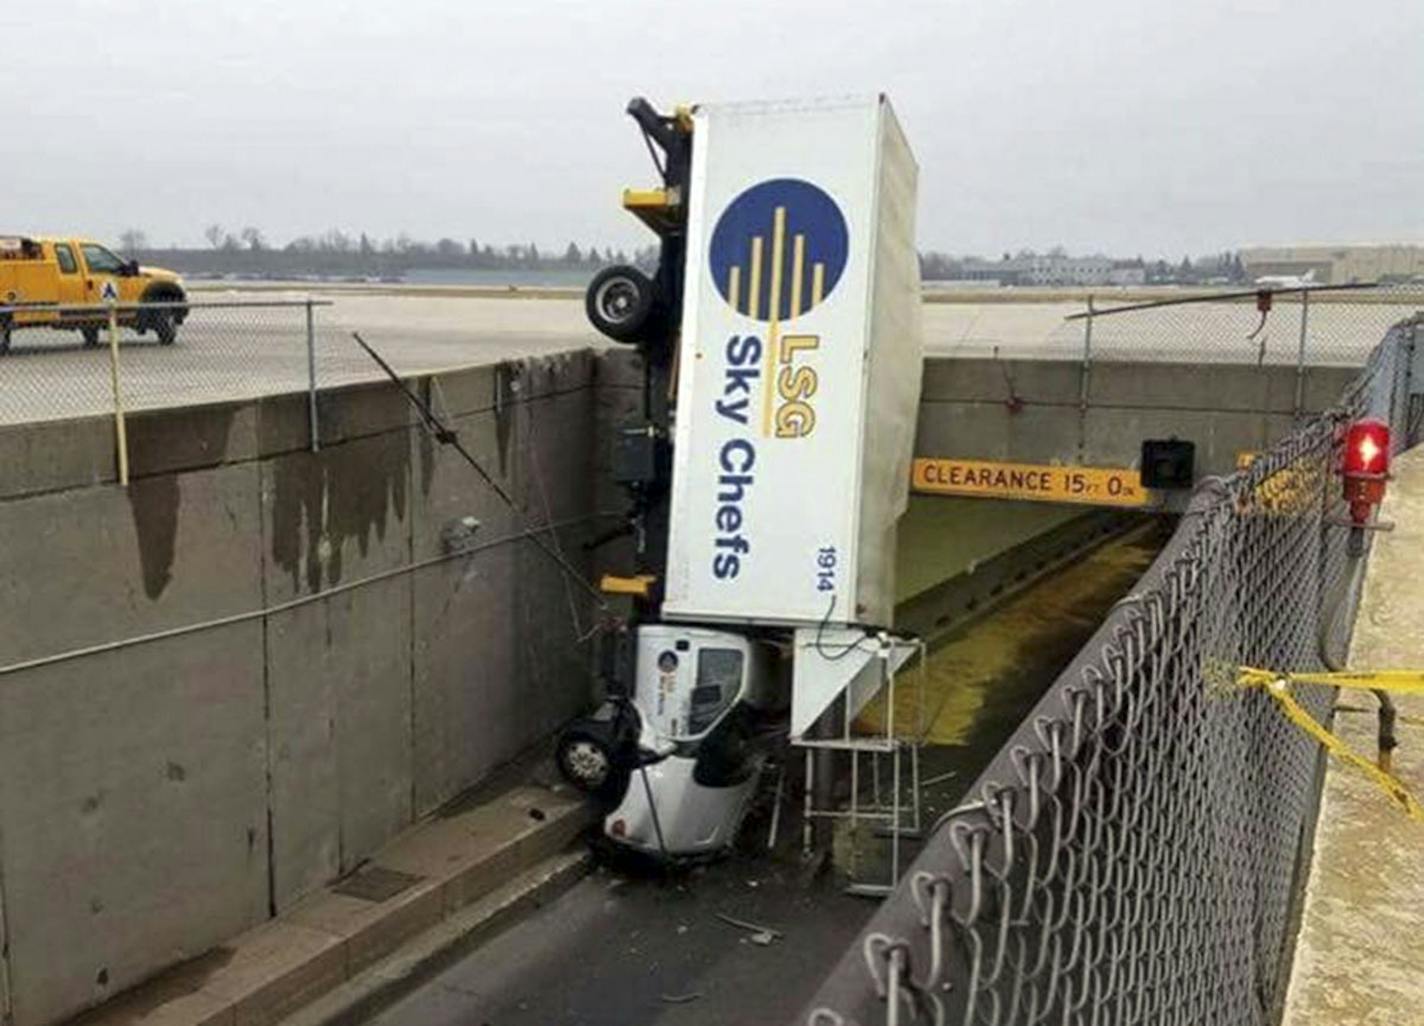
(186, 304)
(1219, 297)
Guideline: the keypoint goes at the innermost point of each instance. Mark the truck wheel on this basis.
(588, 758)
(163, 321)
(91, 337)
(5, 332)
(164, 328)
(619, 302)
(584, 760)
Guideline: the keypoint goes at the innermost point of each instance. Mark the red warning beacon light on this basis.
(1365, 468)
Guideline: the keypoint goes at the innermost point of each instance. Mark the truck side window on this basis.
(100, 260)
(65, 256)
(719, 682)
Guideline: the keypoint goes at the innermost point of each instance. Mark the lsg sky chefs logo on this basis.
(777, 252)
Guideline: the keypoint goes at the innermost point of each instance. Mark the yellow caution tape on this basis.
(1403, 682)
(1277, 685)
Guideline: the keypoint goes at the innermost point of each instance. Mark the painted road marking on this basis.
(1036, 482)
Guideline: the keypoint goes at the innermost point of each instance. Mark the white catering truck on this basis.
(782, 345)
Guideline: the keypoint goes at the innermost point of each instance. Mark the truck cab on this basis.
(49, 283)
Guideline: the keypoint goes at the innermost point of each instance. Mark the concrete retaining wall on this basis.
(158, 799)
(967, 409)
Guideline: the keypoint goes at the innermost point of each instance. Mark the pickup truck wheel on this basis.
(619, 302)
(164, 320)
(91, 337)
(164, 328)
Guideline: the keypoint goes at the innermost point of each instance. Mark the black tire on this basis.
(585, 759)
(163, 323)
(590, 758)
(91, 336)
(620, 302)
(6, 332)
(164, 327)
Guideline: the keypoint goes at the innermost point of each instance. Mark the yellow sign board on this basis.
(1038, 482)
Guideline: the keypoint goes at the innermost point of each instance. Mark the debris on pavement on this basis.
(762, 935)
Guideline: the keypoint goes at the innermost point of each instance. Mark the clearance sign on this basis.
(1096, 486)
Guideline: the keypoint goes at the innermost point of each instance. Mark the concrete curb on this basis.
(445, 882)
(386, 982)
(1359, 946)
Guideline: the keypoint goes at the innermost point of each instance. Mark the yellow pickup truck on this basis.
(48, 283)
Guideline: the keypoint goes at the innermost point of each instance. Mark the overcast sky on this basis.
(1152, 126)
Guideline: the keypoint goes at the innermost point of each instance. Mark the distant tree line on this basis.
(248, 252)
(1214, 268)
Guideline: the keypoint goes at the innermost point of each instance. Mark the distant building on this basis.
(1127, 272)
(1338, 264)
(1047, 269)
(993, 272)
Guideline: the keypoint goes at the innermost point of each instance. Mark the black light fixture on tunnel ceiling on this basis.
(1167, 463)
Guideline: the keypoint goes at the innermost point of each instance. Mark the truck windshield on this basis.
(719, 682)
(100, 260)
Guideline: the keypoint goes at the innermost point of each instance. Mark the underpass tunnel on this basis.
(1004, 594)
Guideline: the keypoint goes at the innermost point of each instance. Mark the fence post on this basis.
(1300, 355)
(1083, 376)
(312, 427)
(1413, 386)
(121, 437)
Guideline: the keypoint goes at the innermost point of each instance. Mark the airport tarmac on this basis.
(228, 352)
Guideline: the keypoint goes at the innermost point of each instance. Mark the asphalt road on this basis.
(227, 354)
(628, 951)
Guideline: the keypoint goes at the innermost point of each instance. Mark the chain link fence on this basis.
(1317, 327)
(60, 361)
(1135, 852)
(240, 349)
(1334, 324)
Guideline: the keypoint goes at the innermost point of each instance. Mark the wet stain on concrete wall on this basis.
(154, 502)
(507, 389)
(427, 446)
(162, 445)
(346, 493)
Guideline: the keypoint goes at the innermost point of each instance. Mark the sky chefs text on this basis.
(770, 379)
